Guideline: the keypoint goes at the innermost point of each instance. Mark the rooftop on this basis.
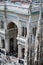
(18, 7)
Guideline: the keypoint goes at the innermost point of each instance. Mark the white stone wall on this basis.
(19, 21)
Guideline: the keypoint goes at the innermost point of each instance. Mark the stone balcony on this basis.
(2, 33)
(22, 40)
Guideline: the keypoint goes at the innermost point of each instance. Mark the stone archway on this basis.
(12, 33)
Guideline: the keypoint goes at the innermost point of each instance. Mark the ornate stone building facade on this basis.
(21, 32)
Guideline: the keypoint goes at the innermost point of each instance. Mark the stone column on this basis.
(6, 35)
(7, 44)
(19, 30)
(19, 51)
(28, 44)
(19, 46)
(5, 24)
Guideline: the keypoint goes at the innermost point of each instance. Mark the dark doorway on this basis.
(23, 49)
(3, 43)
(12, 33)
(11, 44)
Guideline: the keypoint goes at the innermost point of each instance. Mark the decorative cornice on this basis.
(37, 12)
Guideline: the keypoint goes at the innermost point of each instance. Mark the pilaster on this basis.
(19, 51)
(19, 29)
(0, 43)
(7, 44)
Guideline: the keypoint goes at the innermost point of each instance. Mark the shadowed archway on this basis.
(12, 33)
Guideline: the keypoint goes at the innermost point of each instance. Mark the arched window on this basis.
(24, 31)
(12, 32)
(34, 31)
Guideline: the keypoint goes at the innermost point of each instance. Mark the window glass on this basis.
(34, 31)
(24, 31)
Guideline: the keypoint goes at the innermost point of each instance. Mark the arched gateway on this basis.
(12, 33)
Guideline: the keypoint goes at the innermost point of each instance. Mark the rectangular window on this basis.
(24, 31)
(3, 43)
(2, 24)
(42, 16)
